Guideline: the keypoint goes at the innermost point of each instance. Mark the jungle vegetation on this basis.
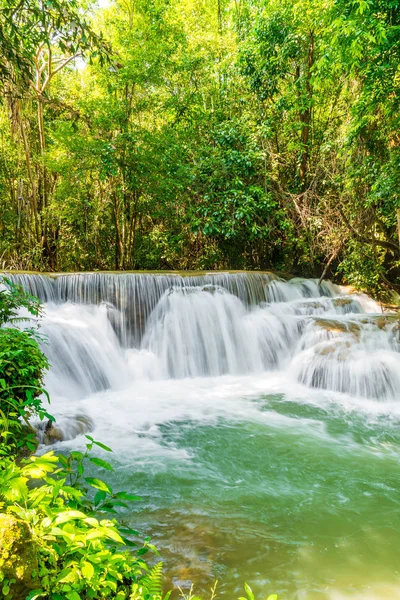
(201, 134)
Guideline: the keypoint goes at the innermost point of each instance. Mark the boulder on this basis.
(68, 428)
(18, 557)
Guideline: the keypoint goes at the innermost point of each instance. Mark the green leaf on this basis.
(114, 535)
(127, 497)
(69, 515)
(69, 575)
(249, 591)
(99, 444)
(87, 570)
(76, 455)
(98, 484)
(101, 463)
(100, 496)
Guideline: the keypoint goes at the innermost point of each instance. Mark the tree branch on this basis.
(382, 243)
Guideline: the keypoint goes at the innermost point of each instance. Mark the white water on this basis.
(109, 332)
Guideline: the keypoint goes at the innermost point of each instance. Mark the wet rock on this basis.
(66, 429)
(309, 306)
(383, 321)
(18, 556)
(339, 351)
(339, 326)
(342, 301)
(52, 434)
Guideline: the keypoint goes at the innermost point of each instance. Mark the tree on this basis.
(217, 135)
(38, 40)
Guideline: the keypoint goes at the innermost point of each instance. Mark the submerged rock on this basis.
(343, 301)
(18, 557)
(337, 326)
(340, 351)
(67, 429)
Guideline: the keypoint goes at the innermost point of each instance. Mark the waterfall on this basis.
(105, 330)
(132, 297)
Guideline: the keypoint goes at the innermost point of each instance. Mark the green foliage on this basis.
(12, 299)
(27, 24)
(153, 580)
(214, 135)
(22, 365)
(190, 595)
(233, 204)
(81, 554)
(250, 595)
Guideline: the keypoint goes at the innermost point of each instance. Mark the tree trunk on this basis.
(118, 246)
(398, 224)
(305, 117)
(43, 180)
(33, 197)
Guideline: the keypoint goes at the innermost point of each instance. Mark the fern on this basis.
(153, 581)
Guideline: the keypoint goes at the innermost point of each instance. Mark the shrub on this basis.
(22, 365)
(81, 554)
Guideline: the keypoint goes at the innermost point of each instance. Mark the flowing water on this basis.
(258, 419)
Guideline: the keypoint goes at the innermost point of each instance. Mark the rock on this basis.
(52, 434)
(354, 327)
(18, 556)
(384, 321)
(342, 301)
(336, 350)
(337, 326)
(67, 429)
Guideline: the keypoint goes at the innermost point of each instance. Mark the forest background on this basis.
(202, 134)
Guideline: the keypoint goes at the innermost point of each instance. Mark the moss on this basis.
(18, 557)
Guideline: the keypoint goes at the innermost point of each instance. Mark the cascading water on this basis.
(99, 324)
(237, 405)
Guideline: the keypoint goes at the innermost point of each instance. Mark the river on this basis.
(258, 420)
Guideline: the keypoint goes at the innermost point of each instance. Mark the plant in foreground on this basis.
(190, 595)
(22, 365)
(77, 551)
(70, 549)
